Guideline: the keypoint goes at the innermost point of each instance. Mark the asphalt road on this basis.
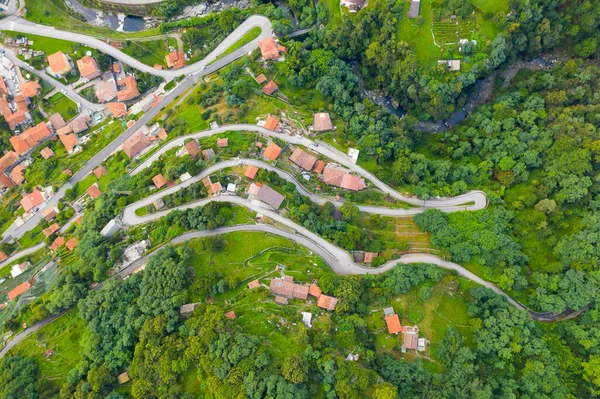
(16, 24)
(478, 198)
(22, 253)
(115, 145)
(129, 212)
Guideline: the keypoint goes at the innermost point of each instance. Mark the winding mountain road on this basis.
(477, 198)
(20, 25)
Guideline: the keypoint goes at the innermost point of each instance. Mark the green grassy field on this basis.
(419, 38)
(62, 336)
(61, 104)
(333, 7)
(247, 38)
(491, 6)
(150, 52)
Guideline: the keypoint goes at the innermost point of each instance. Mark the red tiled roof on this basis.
(159, 180)
(136, 143)
(71, 244)
(46, 152)
(3, 257)
(30, 89)
(59, 63)
(129, 91)
(251, 171)
(411, 340)
(351, 182)
(5, 182)
(327, 302)
(30, 137)
(88, 68)
(314, 290)
(208, 154)
(49, 214)
(57, 121)
(271, 123)
(281, 300)
(369, 256)
(117, 109)
(80, 123)
(393, 324)
(69, 141)
(268, 49)
(93, 191)
(162, 134)
(8, 159)
(32, 200)
(303, 159)
(322, 122)
(175, 60)
(260, 79)
(53, 228)
(253, 284)
(16, 118)
(272, 151)
(192, 148)
(158, 66)
(230, 315)
(222, 142)
(17, 174)
(319, 166)
(100, 171)
(57, 243)
(269, 88)
(18, 290)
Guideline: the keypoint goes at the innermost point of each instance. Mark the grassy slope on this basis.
(491, 6)
(247, 38)
(150, 52)
(61, 104)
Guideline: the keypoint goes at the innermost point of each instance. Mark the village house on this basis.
(57, 243)
(319, 166)
(415, 5)
(128, 89)
(266, 194)
(341, 178)
(69, 140)
(268, 49)
(46, 153)
(106, 89)
(135, 144)
(30, 89)
(303, 159)
(49, 213)
(17, 270)
(32, 201)
(251, 172)
(322, 122)
(208, 154)
(17, 174)
(100, 171)
(175, 60)
(80, 124)
(272, 151)
(16, 115)
(25, 141)
(117, 109)
(260, 79)
(159, 180)
(272, 123)
(269, 88)
(57, 121)
(71, 244)
(19, 289)
(53, 228)
(59, 64)
(88, 68)
(191, 148)
(93, 191)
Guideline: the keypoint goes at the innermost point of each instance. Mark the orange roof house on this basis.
(222, 142)
(251, 172)
(30, 137)
(135, 144)
(59, 64)
(230, 315)
(327, 302)
(253, 284)
(260, 79)
(158, 66)
(175, 60)
(5, 182)
(17, 174)
(117, 109)
(69, 141)
(340, 178)
(19, 289)
(93, 191)
(57, 121)
(32, 200)
(393, 324)
(71, 244)
(272, 151)
(57, 243)
(88, 68)
(192, 148)
(80, 123)
(272, 123)
(129, 91)
(303, 159)
(46, 153)
(53, 228)
(30, 89)
(268, 49)
(319, 166)
(322, 122)
(159, 180)
(8, 159)
(16, 118)
(354, 183)
(3, 257)
(162, 134)
(100, 171)
(314, 290)
(269, 88)
(208, 154)
(49, 214)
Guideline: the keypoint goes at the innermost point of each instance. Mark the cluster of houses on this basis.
(141, 140)
(285, 289)
(269, 50)
(410, 334)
